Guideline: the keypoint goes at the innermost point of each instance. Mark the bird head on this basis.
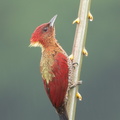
(44, 35)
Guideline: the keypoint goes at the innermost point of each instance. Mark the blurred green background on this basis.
(22, 96)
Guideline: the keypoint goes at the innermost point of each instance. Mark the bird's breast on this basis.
(46, 69)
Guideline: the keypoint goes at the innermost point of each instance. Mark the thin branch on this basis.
(79, 43)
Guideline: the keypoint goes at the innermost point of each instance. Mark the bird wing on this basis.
(57, 87)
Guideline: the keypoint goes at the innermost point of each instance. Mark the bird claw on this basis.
(75, 84)
(90, 17)
(71, 57)
(76, 21)
(74, 64)
(79, 96)
(85, 52)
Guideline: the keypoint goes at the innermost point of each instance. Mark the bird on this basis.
(55, 66)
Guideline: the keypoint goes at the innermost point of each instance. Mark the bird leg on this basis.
(71, 57)
(78, 95)
(75, 64)
(75, 84)
(71, 85)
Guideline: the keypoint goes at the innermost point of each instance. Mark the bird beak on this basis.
(52, 21)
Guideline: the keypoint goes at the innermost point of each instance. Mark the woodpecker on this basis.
(55, 66)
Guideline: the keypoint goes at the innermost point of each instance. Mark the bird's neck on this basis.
(47, 61)
(48, 42)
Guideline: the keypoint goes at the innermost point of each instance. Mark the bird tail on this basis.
(62, 113)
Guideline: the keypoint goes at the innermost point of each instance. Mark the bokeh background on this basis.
(22, 96)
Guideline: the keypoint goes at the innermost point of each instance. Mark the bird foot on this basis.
(71, 85)
(75, 64)
(79, 96)
(71, 57)
(90, 17)
(75, 84)
(85, 52)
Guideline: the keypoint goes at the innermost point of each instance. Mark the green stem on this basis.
(79, 43)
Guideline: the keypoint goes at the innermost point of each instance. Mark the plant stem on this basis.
(79, 43)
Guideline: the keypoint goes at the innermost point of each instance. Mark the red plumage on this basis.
(56, 89)
(55, 66)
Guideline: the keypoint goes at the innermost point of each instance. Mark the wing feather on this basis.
(57, 87)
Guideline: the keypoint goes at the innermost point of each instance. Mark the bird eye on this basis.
(45, 29)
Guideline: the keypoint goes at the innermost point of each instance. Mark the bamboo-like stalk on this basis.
(79, 44)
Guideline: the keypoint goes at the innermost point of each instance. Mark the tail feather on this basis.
(62, 113)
